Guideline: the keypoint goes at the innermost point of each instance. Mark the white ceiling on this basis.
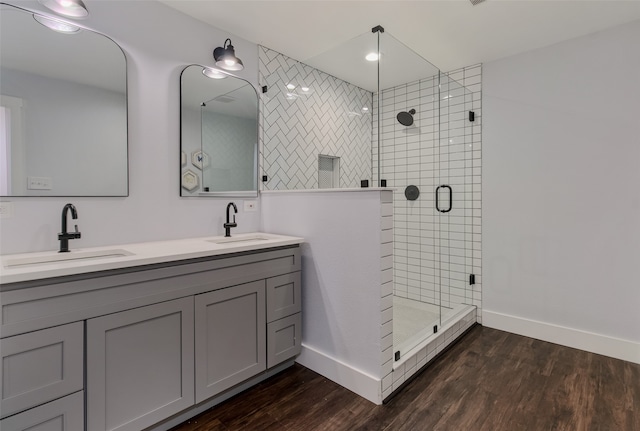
(449, 33)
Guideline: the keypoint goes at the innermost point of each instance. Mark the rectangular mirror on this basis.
(219, 134)
(63, 113)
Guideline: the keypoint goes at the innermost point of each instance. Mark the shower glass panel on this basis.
(407, 154)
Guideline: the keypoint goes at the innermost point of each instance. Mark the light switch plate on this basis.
(39, 183)
(6, 209)
(250, 206)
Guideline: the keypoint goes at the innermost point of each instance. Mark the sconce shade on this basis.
(213, 73)
(70, 8)
(225, 57)
(55, 25)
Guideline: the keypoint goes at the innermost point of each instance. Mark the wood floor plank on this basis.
(491, 380)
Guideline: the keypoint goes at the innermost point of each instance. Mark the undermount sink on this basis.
(239, 239)
(72, 256)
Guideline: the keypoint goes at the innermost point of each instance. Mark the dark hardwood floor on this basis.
(490, 380)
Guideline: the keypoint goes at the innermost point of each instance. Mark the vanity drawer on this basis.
(284, 339)
(283, 296)
(65, 414)
(41, 366)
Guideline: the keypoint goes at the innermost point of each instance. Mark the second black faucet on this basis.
(65, 236)
(228, 225)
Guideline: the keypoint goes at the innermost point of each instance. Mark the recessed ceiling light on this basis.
(372, 56)
(291, 86)
(70, 8)
(54, 24)
(213, 73)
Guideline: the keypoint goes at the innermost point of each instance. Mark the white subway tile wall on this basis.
(307, 113)
(434, 252)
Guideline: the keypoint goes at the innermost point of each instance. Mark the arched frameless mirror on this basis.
(219, 134)
(63, 112)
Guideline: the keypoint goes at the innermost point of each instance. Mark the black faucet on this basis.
(227, 225)
(65, 236)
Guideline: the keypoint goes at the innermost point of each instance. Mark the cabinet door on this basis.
(139, 366)
(64, 414)
(41, 366)
(230, 337)
(284, 339)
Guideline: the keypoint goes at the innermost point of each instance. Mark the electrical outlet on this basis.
(250, 206)
(6, 209)
(39, 183)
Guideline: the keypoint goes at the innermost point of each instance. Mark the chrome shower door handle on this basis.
(444, 186)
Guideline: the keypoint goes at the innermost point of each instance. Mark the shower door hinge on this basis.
(397, 355)
(472, 116)
(435, 329)
(472, 279)
(264, 88)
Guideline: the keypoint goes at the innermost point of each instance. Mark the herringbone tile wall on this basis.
(317, 114)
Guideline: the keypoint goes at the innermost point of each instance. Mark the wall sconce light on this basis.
(70, 8)
(225, 57)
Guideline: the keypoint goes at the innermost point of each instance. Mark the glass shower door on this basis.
(453, 196)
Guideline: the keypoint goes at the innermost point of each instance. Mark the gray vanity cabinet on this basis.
(133, 348)
(230, 337)
(139, 366)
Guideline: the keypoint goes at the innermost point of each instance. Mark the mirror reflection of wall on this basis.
(219, 140)
(64, 110)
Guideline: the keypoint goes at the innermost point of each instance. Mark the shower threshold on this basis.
(412, 345)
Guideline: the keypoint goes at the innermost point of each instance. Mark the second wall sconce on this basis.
(225, 57)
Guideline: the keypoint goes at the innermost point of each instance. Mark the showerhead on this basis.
(406, 118)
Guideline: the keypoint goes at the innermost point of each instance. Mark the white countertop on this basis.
(36, 266)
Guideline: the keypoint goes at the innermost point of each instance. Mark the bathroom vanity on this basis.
(129, 337)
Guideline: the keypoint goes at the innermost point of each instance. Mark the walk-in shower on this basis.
(395, 121)
(433, 229)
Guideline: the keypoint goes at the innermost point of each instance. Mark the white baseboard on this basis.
(343, 374)
(589, 341)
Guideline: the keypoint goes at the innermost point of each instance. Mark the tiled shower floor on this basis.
(411, 317)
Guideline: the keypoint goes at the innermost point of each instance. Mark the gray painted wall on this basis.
(561, 207)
